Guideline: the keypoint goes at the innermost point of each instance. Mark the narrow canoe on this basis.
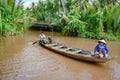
(75, 53)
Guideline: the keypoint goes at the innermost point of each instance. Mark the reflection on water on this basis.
(20, 60)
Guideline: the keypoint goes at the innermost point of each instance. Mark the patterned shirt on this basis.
(102, 48)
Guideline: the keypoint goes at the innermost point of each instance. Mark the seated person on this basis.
(101, 49)
(49, 39)
(43, 38)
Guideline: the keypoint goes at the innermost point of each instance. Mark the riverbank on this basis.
(85, 34)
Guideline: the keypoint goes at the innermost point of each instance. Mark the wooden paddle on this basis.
(35, 42)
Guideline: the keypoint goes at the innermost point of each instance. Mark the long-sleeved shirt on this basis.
(101, 48)
(42, 36)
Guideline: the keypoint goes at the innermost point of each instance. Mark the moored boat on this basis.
(75, 53)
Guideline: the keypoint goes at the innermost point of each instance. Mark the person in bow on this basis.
(43, 38)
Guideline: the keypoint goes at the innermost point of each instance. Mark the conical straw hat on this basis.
(103, 41)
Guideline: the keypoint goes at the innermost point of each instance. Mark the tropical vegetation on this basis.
(13, 18)
(98, 19)
(95, 19)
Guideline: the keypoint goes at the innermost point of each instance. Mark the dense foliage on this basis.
(95, 19)
(13, 18)
(98, 19)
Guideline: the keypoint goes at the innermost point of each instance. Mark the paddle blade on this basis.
(35, 42)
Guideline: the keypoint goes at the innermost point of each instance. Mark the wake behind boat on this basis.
(75, 53)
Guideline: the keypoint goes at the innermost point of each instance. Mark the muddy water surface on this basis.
(20, 60)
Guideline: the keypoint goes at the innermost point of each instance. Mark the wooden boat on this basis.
(74, 52)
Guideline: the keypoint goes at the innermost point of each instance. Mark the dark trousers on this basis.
(43, 41)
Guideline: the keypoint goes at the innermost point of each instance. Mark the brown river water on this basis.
(20, 60)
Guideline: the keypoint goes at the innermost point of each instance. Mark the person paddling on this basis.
(101, 49)
(43, 38)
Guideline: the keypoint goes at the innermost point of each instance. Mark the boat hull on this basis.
(75, 53)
